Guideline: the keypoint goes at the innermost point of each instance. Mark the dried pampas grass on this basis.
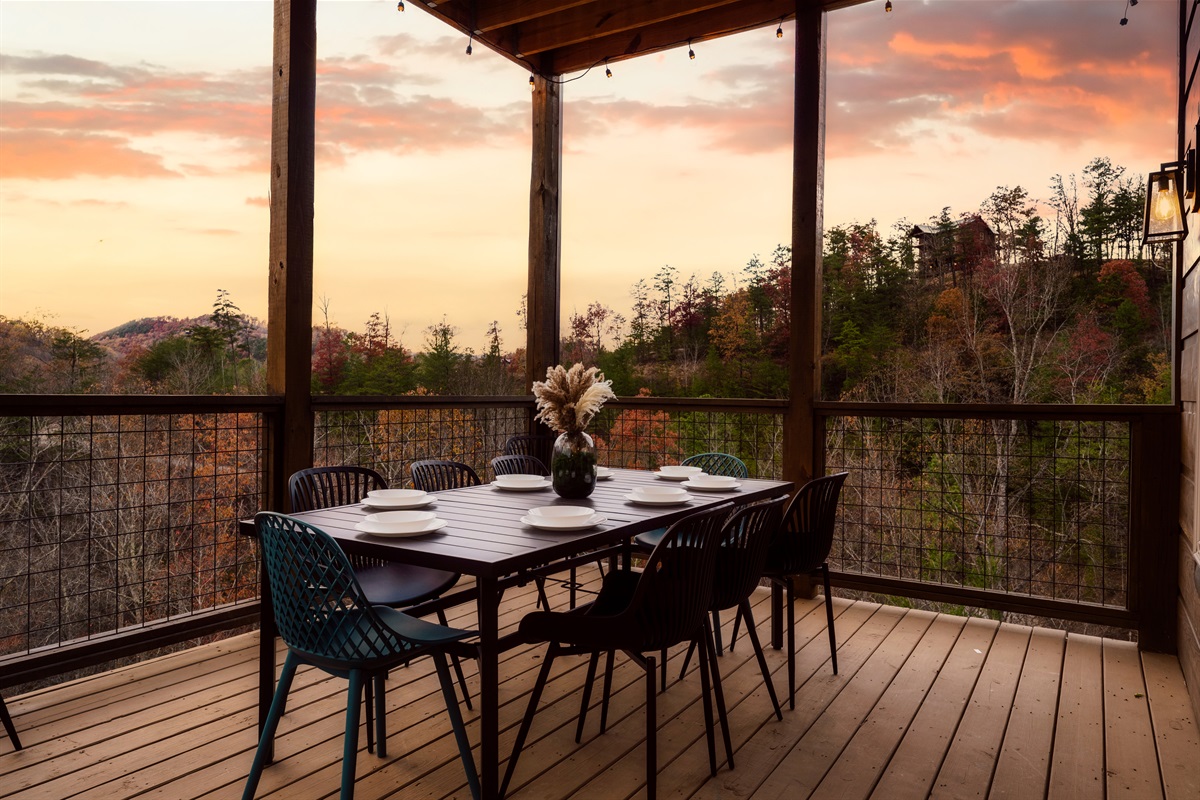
(568, 399)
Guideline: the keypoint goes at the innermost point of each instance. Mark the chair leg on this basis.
(706, 698)
(456, 723)
(829, 617)
(744, 610)
(608, 671)
(737, 621)
(380, 714)
(267, 738)
(776, 615)
(458, 670)
(687, 659)
(716, 629)
(663, 668)
(587, 695)
(791, 646)
(9, 727)
(718, 692)
(527, 720)
(651, 732)
(350, 743)
(369, 704)
(542, 600)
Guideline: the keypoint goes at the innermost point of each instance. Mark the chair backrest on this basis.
(718, 464)
(319, 606)
(742, 556)
(675, 590)
(539, 446)
(434, 475)
(518, 465)
(324, 487)
(806, 533)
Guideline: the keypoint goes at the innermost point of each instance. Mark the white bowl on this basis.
(563, 513)
(603, 472)
(677, 470)
(658, 492)
(713, 480)
(402, 521)
(520, 480)
(393, 495)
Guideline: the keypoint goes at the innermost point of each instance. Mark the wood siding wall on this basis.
(1189, 371)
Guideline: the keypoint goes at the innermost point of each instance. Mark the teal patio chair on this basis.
(327, 623)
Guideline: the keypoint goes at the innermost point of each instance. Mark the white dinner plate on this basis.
(603, 473)
(383, 529)
(664, 501)
(731, 487)
(672, 477)
(394, 504)
(554, 524)
(537, 487)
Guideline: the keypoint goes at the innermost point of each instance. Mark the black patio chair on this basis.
(538, 445)
(638, 613)
(438, 475)
(9, 727)
(327, 622)
(741, 559)
(385, 583)
(517, 464)
(713, 464)
(801, 547)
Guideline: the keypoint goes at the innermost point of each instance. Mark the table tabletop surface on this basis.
(484, 534)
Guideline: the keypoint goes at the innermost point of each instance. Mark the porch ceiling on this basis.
(554, 37)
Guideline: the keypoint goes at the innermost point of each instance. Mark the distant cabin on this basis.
(957, 248)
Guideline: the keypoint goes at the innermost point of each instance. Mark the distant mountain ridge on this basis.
(147, 331)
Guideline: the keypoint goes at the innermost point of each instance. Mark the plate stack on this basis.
(658, 495)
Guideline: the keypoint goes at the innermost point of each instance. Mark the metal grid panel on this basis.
(1028, 507)
(646, 438)
(388, 440)
(113, 522)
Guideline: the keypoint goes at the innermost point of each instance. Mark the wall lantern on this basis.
(1165, 220)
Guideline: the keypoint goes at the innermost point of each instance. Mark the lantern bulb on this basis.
(779, 32)
(887, 7)
(1164, 203)
(400, 5)
(468, 48)
(607, 72)
(532, 86)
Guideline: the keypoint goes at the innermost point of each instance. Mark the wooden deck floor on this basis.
(924, 706)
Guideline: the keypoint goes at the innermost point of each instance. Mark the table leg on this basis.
(489, 687)
(267, 631)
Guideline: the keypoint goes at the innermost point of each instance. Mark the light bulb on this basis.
(887, 7)
(607, 71)
(779, 31)
(532, 86)
(1164, 202)
(468, 47)
(691, 52)
(400, 5)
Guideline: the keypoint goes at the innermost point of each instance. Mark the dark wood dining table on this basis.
(485, 538)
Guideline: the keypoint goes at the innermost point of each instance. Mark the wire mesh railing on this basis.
(114, 522)
(1017, 505)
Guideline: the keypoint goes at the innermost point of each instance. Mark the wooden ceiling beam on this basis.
(505, 13)
(712, 24)
(597, 20)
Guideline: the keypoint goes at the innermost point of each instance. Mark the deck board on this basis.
(924, 705)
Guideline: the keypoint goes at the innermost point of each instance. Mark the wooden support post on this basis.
(290, 285)
(802, 450)
(1153, 592)
(545, 232)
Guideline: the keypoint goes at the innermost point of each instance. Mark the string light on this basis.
(779, 30)
(691, 52)
(887, 7)
(400, 5)
(469, 38)
(532, 85)
(607, 71)
(1128, 5)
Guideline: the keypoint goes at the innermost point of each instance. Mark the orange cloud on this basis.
(46, 155)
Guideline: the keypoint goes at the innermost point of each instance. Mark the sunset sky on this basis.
(134, 142)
